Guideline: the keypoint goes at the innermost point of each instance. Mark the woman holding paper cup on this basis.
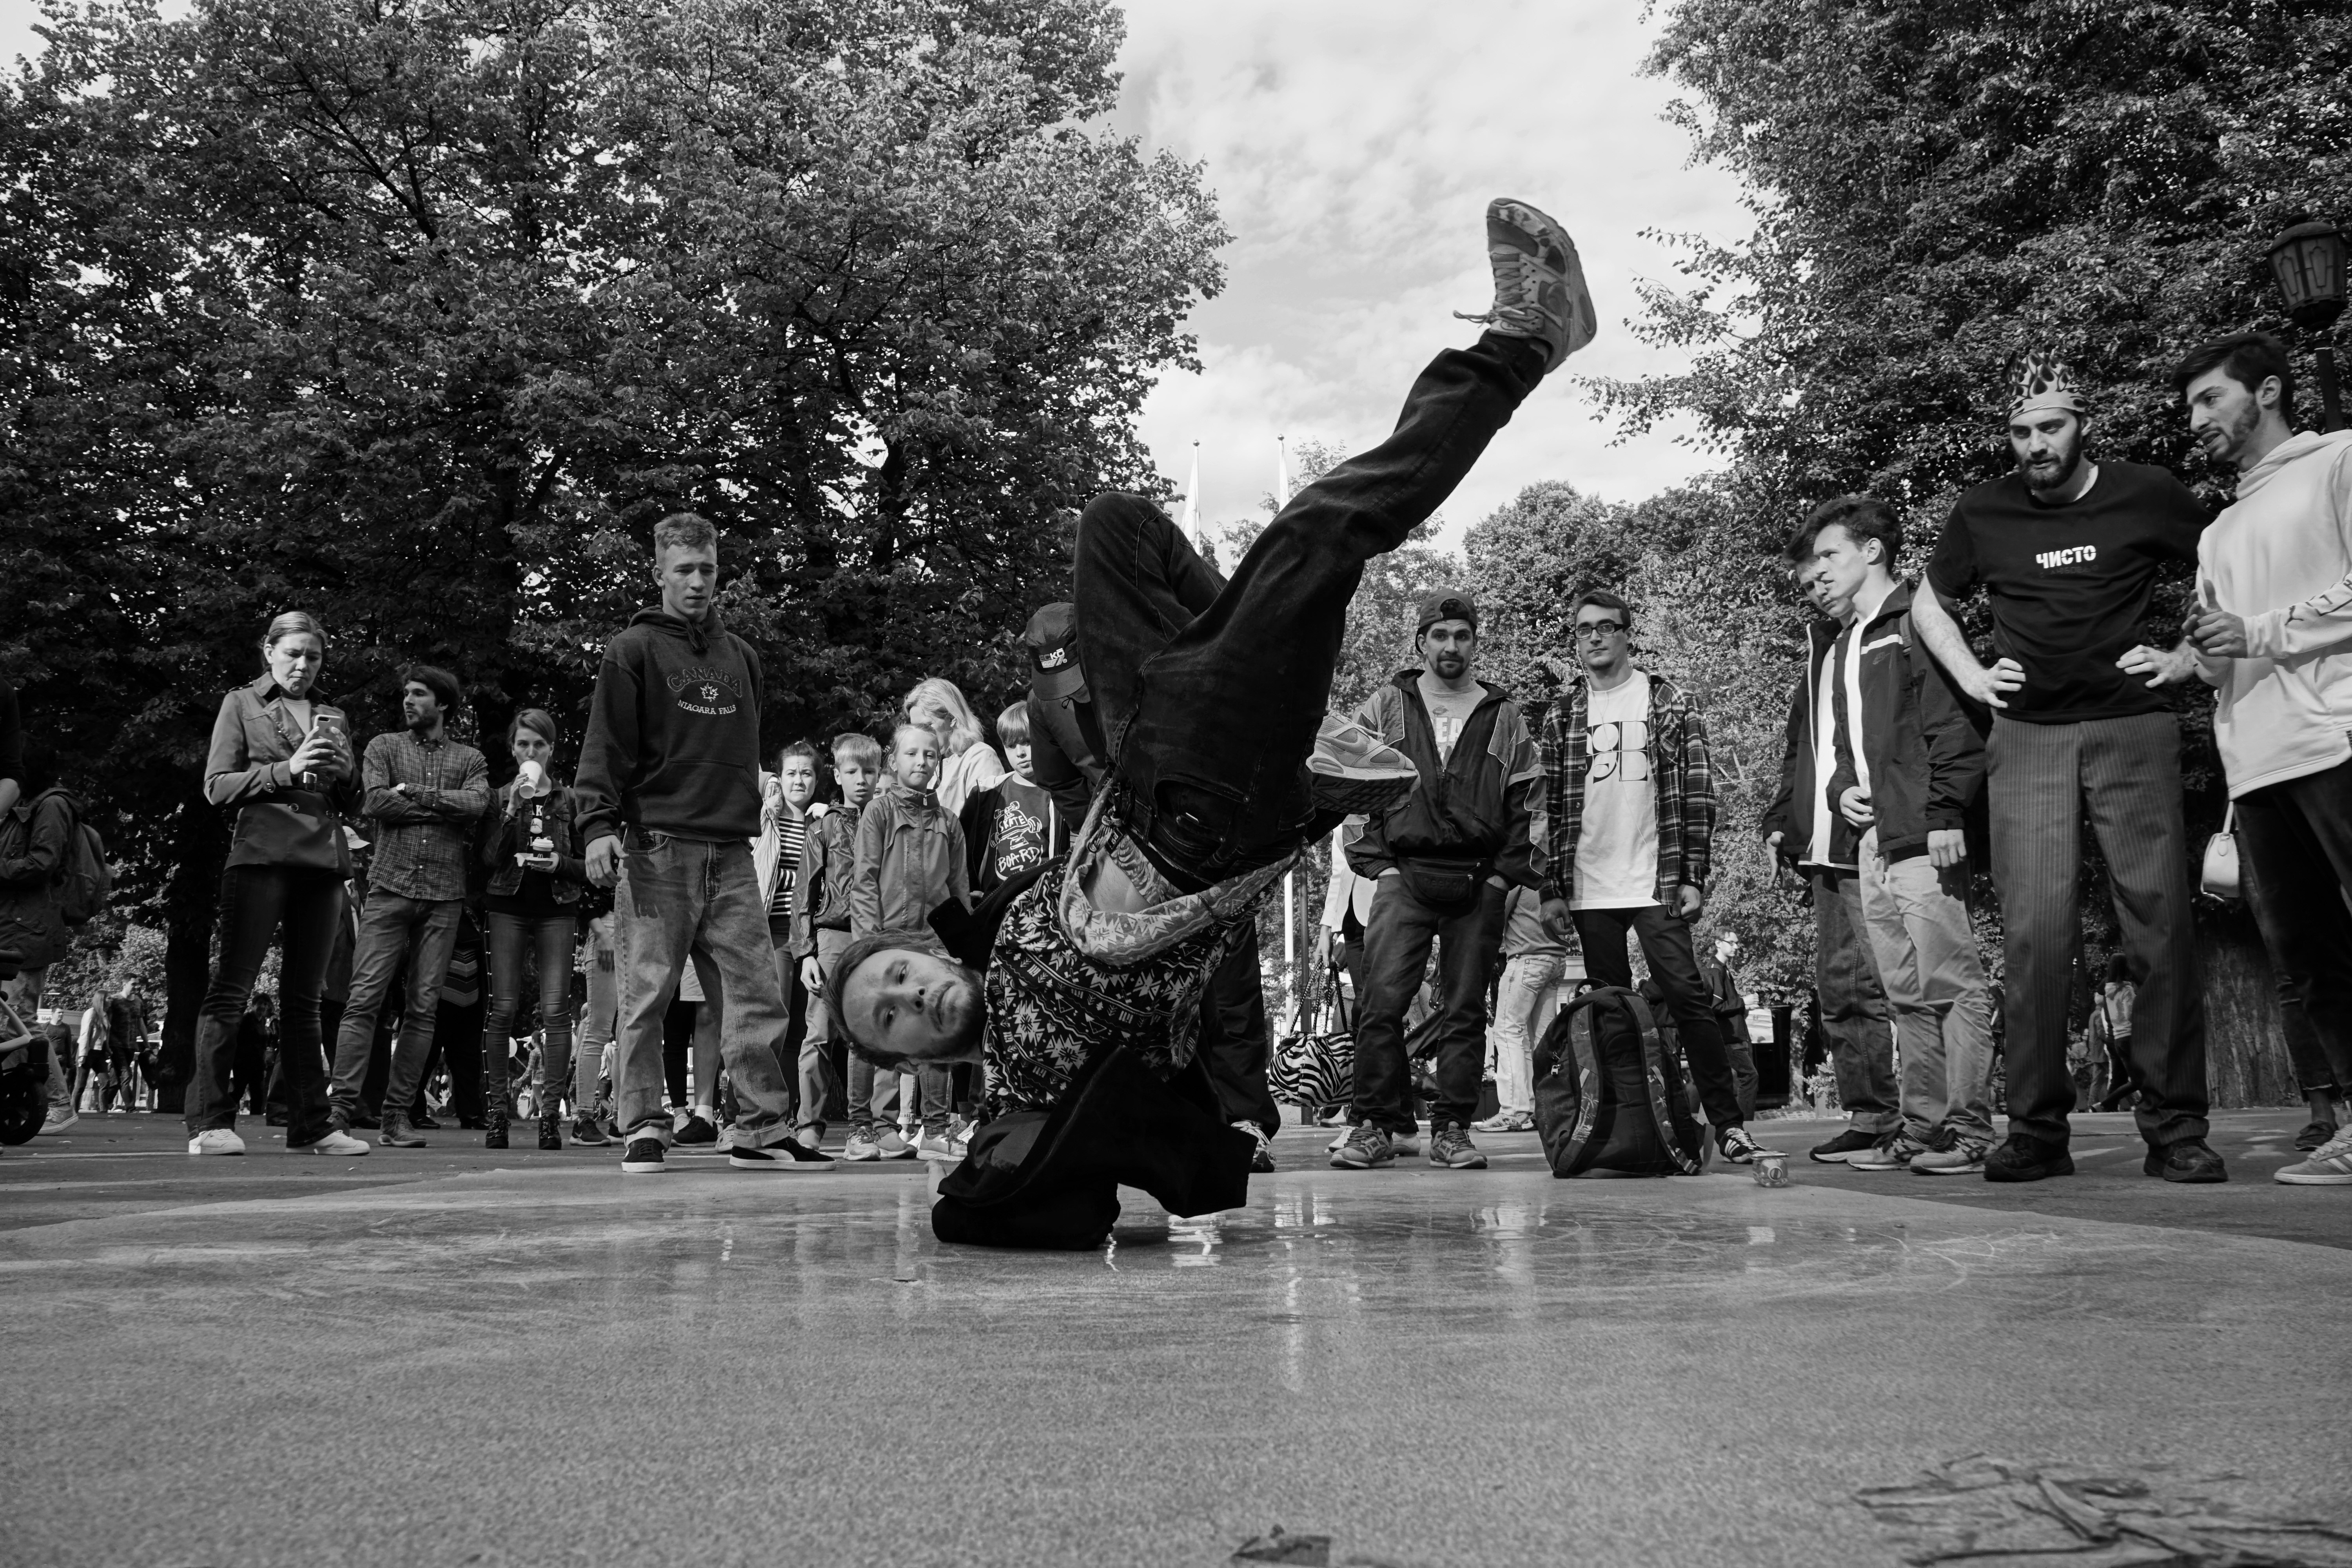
(283, 760)
(531, 843)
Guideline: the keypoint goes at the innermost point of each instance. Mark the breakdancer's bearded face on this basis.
(1449, 647)
(914, 1005)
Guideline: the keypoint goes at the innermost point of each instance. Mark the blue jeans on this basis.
(549, 938)
(393, 927)
(1926, 951)
(681, 900)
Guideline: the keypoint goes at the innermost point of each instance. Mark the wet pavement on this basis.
(457, 1356)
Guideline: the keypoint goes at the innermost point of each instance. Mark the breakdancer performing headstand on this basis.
(1080, 984)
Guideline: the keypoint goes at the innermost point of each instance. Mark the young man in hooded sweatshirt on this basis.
(2272, 631)
(669, 795)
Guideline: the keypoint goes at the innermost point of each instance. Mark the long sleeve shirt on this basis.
(909, 859)
(425, 830)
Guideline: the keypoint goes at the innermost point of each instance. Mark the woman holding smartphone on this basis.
(281, 758)
(531, 842)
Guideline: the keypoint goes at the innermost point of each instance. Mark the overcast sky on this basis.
(1353, 145)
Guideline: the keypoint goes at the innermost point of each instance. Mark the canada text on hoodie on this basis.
(673, 742)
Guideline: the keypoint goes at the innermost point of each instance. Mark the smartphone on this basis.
(332, 724)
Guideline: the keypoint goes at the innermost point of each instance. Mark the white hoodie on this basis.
(2280, 557)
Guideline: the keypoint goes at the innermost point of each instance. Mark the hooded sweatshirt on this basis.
(673, 741)
(2281, 558)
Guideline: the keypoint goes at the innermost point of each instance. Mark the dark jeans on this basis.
(457, 1046)
(1673, 963)
(550, 939)
(2295, 842)
(1234, 1037)
(255, 902)
(331, 1018)
(679, 1021)
(394, 929)
(1396, 953)
(2127, 771)
(1209, 692)
(1853, 1003)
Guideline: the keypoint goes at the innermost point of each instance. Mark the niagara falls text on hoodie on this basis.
(2280, 558)
(673, 741)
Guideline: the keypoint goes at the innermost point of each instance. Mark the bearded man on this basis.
(2070, 551)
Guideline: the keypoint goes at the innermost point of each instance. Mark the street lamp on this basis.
(2308, 261)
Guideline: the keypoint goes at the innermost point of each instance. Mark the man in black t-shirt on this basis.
(2070, 551)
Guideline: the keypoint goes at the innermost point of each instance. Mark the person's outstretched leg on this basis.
(1211, 733)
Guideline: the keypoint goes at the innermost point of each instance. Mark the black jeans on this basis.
(2295, 842)
(1209, 692)
(1235, 1038)
(549, 938)
(1396, 951)
(255, 902)
(1667, 942)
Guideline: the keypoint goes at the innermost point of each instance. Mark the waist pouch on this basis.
(1444, 887)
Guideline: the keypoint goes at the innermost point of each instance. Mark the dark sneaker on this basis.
(360, 1122)
(2025, 1158)
(425, 1123)
(1450, 1149)
(1845, 1146)
(1738, 1147)
(1353, 769)
(1261, 1157)
(643, 1157)
(550, 1130)
(494, 1132)
(1539, 289)
(585, 1130)
(2313, 1135)
(396, 1133)
(1364, 1148)
(695, 1130)
(787, 1157)
(2189, 1161)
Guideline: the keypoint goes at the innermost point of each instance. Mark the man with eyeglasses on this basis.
(1629, 805)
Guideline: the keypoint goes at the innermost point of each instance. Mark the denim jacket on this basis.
(501, 838)
(909, 860)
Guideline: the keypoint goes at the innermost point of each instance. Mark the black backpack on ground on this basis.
(1609, 1096)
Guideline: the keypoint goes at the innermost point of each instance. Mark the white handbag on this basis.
(2221, 879)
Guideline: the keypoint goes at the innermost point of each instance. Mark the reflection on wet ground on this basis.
(1421, 1368)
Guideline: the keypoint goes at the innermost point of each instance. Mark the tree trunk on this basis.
(2246, 1063)
(190, 907)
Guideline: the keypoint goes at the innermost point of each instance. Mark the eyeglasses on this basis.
(1599, 628)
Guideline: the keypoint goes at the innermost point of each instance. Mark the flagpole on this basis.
(1191, 526)
(1291, 989)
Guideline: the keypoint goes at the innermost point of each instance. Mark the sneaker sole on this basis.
(315, 1149)
(1993, 1173)
(861, 1159)
(1831, 1159)
(1478, 1163)
(900, 1154)
(1874, 1165)
(2153, 1166)
(1338, 1163)
(781, 1167)
(644, 1167)
(2296, 1178)
(1918, 1170)
(192, 1149)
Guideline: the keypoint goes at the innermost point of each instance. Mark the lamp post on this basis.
(2308, 261)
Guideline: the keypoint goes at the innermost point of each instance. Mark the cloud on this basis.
(1352, 148)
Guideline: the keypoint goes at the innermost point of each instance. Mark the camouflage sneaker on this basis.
(1354, 769)
(1539, 289)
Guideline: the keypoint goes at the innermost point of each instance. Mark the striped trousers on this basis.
(2127, 773)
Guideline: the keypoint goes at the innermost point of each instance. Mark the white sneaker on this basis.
(217, 1141)
(1505, 1121)
(336, 1142)
(2329, 1166)
(935, 1146)
(1406, 1144)
(59, 1117)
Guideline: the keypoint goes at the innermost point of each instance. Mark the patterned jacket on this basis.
(1678, 765)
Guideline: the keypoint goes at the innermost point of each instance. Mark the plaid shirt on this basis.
(1677, 762)
(423, 834)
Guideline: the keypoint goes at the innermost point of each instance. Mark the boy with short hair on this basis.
(820, 923)
(907, 860)
(1013, 825)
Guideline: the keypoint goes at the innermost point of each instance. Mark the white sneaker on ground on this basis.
(217, 1141)
(1505, 1121)
(59, 1117)
(335, 1142)
(893, 1144)
(929, 1145)
(2330, 1166)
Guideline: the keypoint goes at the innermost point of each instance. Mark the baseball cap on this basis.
(1446, 604)
(1052, 639)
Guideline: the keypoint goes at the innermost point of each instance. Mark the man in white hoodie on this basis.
(2274, 635)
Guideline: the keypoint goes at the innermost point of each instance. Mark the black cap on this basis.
(1052, 639)
(1446, 605)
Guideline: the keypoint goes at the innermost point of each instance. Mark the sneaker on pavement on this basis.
(696, 1130)
(334, 1142)
(2192, 1161)
(809, 1138)
(59, 1117)
(1450, 1149)
(864, 1145)
(398, 1133)
(1738, 1147)
(1261, 1157)
(1354, 769)
(2025, 1158)
(585, 1130)
(494, 1131)
(930, 1145)
(643, 1157)
(2314, 1134)
(960, 1139)
(1335, 1117)
(1505, 1121)
(217, 1141)
(2330, 1166)
(550, 1130)
(1894, 1150)
(1845, 1146)
(786, 1158)
(1539, 289)
(1960, 1157)
(893, 1144)
(1406, 1144)
(1365, 1148)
